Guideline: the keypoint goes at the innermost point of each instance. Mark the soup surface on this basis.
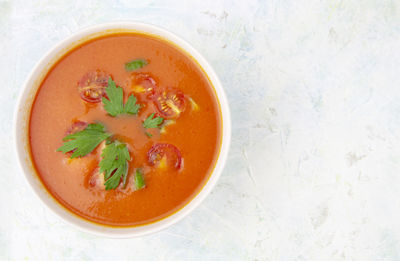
(171, 152)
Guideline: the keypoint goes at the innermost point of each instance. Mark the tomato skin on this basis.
(160, 150)
(170, 103)
(92, 86)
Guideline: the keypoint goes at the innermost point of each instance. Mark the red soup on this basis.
(125, 129)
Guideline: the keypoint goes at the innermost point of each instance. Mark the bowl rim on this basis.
(20, 130)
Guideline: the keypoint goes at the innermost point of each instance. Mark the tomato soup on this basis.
(125, 129)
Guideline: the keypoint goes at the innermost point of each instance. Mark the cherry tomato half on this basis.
(170, 103)
(142, 85)
(165, 155)
(76, 126)
(92, 86)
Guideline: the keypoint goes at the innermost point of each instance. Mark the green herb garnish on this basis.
(85, 141)
(139, 180)
(114, 105)
(152, 122)
(114, 164)
(135, 64)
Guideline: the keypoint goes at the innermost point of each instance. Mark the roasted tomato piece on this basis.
(92, 86)
(170, 103)
(143, 86)
(165, 155)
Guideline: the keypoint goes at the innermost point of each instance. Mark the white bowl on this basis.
(21, 124)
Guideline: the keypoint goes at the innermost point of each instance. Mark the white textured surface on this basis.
(314, 167)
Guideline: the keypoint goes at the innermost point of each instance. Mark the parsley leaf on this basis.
(153, 122)
(130, 106)
(135, 64)
(114, 164)
(85, 141)
(114, 105)
(139, 180)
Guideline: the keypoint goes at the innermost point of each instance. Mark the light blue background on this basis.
(314, 167)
